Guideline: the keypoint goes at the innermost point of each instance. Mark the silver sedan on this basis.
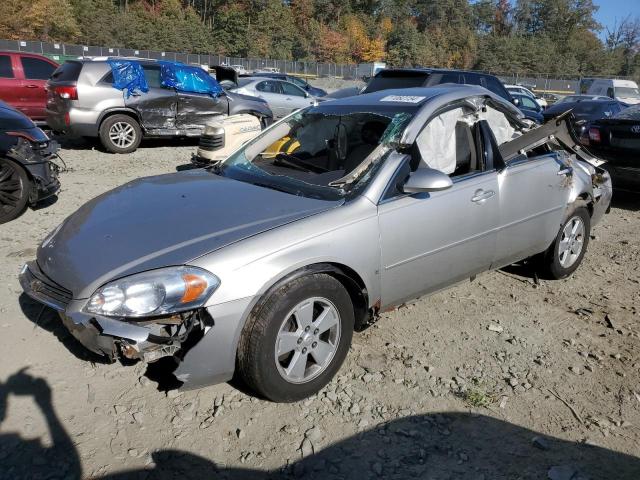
(267, 262)
(282, 97)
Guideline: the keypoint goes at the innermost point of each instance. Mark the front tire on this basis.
(295, 342)
(567, 251)
(14, 190)
(120, 134)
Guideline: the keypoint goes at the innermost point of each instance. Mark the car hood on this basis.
(161, 221)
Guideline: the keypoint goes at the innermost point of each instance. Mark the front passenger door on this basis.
(430, 241)
(295, 97)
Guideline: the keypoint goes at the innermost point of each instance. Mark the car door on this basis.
(196, 109)
(32, 91)
(271, 92)
(295, 97)
(156, 108)
(534, 190)
(430, 241)
(8, 81)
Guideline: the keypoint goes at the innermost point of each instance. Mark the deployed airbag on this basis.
(437, 141)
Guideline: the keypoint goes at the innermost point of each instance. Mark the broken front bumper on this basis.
(205, 355)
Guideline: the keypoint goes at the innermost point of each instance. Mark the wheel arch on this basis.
(119, 111)
(348, 277)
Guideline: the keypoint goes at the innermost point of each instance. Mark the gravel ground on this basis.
(500, 378)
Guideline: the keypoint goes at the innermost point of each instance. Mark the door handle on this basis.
(31, 86)
(288, 98)
(480, 196)
(566, 171)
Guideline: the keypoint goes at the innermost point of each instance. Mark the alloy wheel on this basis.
(307, 340)
(571, 242)
(122, 134)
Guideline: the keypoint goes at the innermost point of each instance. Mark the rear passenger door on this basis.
(158, 107)
(534, 192)
(32, 92)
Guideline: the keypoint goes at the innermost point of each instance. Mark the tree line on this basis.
(559, 37)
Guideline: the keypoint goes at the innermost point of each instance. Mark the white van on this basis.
(625, 91)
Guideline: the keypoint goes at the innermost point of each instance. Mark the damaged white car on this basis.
(264, 263)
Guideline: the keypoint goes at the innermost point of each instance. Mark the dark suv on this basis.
(428, 77)
(83, 101)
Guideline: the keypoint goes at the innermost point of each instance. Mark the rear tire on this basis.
(294, 343)
(566, 252)
(15, 188)
(120, 134)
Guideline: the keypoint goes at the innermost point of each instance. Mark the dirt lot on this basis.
(501, 378)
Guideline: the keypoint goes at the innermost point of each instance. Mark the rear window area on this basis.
(67, 72)
(396, 79)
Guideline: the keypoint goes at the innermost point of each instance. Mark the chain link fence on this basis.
(60, 52)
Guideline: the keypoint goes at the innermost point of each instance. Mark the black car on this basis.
(314, 91)
(27, 174)
(584, 112)
(617, 141)
(428, 77)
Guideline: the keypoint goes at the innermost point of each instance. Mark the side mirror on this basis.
(426, 180)
(516, 101)
(306, 95)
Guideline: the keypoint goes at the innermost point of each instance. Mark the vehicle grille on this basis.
(44, 289)
(212, 142)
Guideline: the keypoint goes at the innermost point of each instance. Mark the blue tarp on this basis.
(186, 78)
(128, 76)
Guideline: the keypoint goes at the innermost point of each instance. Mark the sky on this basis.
(612, 10)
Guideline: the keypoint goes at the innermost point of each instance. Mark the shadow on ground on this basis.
(626, 200)
(434, 446)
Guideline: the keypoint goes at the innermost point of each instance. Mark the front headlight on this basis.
(157, 292)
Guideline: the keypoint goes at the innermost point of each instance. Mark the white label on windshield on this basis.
(402, 98)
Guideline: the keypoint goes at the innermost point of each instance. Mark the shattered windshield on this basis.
(319, 153)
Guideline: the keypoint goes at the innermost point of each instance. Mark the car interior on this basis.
(320, 149)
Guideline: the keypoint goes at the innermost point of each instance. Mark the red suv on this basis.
(22, 82)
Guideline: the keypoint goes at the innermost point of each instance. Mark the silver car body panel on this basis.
(395, 247)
